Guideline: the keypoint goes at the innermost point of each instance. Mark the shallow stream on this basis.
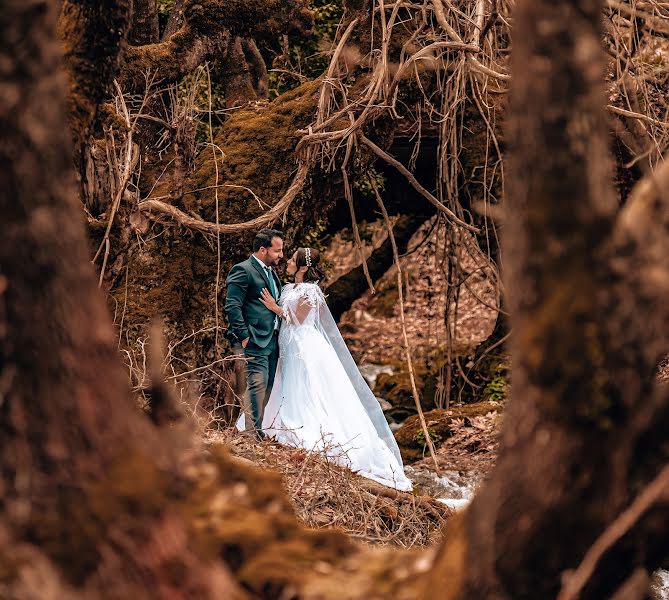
(453, 488)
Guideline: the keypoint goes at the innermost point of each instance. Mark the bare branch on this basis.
(650, 495)
(416, 185)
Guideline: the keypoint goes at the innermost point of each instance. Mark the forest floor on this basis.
(327, 495)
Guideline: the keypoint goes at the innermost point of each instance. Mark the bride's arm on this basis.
(297, 303)
(302, 310)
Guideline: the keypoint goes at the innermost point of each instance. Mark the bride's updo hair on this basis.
(311, 258)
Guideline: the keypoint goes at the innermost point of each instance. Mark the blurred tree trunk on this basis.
(586, 429)
(77, 456)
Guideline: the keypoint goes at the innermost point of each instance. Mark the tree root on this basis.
(156, 207)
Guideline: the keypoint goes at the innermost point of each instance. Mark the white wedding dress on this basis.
(319, 400)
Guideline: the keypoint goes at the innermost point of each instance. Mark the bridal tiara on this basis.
(307, 256)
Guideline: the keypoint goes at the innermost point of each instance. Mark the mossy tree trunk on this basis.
(92, 34)
(175, 20)
(205, 31)
(586, 429)
(144, 28)
(244, 73)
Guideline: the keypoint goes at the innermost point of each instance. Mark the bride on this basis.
(319, 400)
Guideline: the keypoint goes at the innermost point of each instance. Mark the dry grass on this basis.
(328, 496)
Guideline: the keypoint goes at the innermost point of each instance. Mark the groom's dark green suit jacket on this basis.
(247, 316)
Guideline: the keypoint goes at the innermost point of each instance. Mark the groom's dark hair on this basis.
(264, 238)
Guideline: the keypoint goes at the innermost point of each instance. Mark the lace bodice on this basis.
(300, 303)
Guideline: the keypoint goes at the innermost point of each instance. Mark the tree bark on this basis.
(77, 455)
(144, 28)
(236, 76)
(92, 34)
(582, 432)
(257, 67)
(175, 20)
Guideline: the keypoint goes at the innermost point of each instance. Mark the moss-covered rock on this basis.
(411, 437)
(396, 388)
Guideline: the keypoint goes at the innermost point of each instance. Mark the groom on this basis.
(252, 325)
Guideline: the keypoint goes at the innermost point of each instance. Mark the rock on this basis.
(659, 588)
(385, 405)
(453, 488)
(400, 414)
(371, 372)
(396, 388)
(410, 436)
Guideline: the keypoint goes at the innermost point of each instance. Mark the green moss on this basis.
(497, 389)
(363, 182)
(258, 143)
(432, 435)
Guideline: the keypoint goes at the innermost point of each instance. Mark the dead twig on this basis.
(577, 580)
(405, 338)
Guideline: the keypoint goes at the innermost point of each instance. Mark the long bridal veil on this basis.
(305, 305)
